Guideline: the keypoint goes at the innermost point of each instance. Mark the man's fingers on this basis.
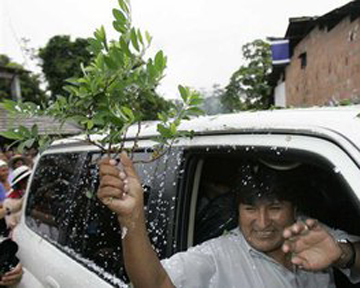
(108, 180)
(312, 223)
(298, 228)
(128, 166)
(108, 169)
(109, 192)
(299, 261)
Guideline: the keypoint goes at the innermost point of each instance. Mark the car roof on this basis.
(343, 120)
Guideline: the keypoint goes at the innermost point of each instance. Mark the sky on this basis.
(201, 38)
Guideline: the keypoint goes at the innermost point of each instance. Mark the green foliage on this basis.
(22, 136)
(110, 94)
(168, 128)
(61, 59)
(30, 83)
(248, 87)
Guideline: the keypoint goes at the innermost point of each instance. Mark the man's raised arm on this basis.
(121, 191)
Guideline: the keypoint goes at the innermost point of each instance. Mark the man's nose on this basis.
(264, 219)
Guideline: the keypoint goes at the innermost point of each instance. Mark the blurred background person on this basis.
(14, 198)
(4, 175)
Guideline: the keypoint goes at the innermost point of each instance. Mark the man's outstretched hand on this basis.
(120, 189)
(311, 245)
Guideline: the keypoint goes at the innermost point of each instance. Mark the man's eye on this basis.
(249, 208)
(275, 208)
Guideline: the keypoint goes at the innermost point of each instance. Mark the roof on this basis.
(12, 70)
(46, 125)
(342, 121)
(299, 27)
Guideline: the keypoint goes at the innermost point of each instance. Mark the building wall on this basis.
(332, 72)
(280, 95)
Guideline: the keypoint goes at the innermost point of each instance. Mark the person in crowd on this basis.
(3, 157)
(14, 198)
(18, 160)
(271, 247)
(3, 228)
(4, 175)
(12, 277)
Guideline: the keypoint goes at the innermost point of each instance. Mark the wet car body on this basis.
(67, 238)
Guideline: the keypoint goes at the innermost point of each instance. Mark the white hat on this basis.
(19, 174)
(3, 163)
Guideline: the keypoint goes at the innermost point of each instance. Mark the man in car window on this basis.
(270, 248)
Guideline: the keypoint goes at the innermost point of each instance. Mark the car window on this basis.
(63, 208)
(325, 193)
(324, 190)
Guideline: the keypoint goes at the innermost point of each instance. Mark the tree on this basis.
(30, 83)
(105, 98)
(61, 59)
(212, 100)
(248, 87)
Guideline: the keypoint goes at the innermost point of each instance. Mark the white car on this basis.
(67, 238)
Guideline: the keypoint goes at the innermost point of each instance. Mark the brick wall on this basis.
(332, 71)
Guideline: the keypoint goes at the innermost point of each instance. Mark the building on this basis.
(46, 125)
(324, 67)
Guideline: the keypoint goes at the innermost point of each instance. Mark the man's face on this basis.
(4, 173)
(263, 223)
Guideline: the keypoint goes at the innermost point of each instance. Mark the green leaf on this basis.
(173, 129)
(120, 27)
(29, 143)
(184, 93)
(35, 130)
(119, 16)
(9, 105)
(140, 37)
(148, 37)
(196, 101)
(100, 35)
(125, 46)
(24, 131)
(95, 46)
(11, 135)
(129, 113)
(124, 6)
(21, 147)
(195, 111)
(90, 124)
(164, 132)
(162, 116)
(110, 62)
(71, 89)
(117, 56)
(134, 39)
(160, 61)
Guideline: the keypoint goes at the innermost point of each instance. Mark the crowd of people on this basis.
(15, 170)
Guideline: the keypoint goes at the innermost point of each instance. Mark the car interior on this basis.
(324, 193)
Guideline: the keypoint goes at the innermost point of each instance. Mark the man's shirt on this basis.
(229, 261)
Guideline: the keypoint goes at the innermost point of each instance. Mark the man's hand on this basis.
(312, 247)
(121, 190)
(12, 277)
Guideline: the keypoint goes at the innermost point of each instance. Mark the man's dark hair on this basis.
(259, 182)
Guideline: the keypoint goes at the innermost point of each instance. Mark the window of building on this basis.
(303, 60)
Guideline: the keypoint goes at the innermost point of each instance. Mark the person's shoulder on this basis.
(230, 236)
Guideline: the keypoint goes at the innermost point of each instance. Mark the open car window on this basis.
(326, 181)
